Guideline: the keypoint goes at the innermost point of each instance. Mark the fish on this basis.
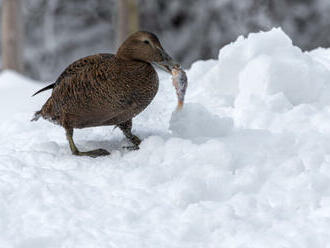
(180, 83)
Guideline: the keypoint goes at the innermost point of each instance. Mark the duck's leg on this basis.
(126, 127)
(75, 151)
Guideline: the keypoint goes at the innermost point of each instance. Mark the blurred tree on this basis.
(12, 35)
(61, 31)
(128, 19)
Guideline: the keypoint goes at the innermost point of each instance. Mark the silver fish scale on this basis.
(180, 83)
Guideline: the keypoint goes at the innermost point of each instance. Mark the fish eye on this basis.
(146, 42)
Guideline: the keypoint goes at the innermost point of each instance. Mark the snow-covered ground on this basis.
(245, 164)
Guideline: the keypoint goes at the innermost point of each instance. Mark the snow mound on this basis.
(265, 80)
(246, 163)
(194, 121)
(268, 63)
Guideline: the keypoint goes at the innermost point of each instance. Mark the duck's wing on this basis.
(88, 92)
(80, 66)
(84, 65)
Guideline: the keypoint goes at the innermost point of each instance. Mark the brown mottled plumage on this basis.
(107, 89)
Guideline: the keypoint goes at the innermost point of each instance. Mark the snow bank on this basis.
(244, 164)
(265, 65)
(267, 80)
(195, 121)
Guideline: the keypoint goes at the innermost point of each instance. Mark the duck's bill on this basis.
(168, 63)
(162, 67)
(168, 66)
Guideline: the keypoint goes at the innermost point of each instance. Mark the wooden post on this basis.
(12, 35)
(127, 19)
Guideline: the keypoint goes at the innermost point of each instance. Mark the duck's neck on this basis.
(127, 54)
(123, 53)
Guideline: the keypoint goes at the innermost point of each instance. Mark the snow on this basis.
(196, 121)
(246, 163)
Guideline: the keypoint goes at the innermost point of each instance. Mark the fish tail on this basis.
(180, 105)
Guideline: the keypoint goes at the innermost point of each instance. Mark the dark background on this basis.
(56, 32)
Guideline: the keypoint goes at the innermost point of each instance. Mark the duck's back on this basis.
(101, 90)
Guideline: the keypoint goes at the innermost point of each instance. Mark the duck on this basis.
(107, 89)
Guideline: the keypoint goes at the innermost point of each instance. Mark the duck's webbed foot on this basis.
(126, 127)
(93, 153)
(75, 151)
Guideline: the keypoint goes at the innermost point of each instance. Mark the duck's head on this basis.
(145, 46)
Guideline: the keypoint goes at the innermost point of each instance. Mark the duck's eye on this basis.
(146, 42)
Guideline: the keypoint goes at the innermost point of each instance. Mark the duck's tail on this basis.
(36, 116)
(51, 86)
(38, 113)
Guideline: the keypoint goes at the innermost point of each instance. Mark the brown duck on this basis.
(107, 89)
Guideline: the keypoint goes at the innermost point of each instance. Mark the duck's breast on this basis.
(142, 84)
